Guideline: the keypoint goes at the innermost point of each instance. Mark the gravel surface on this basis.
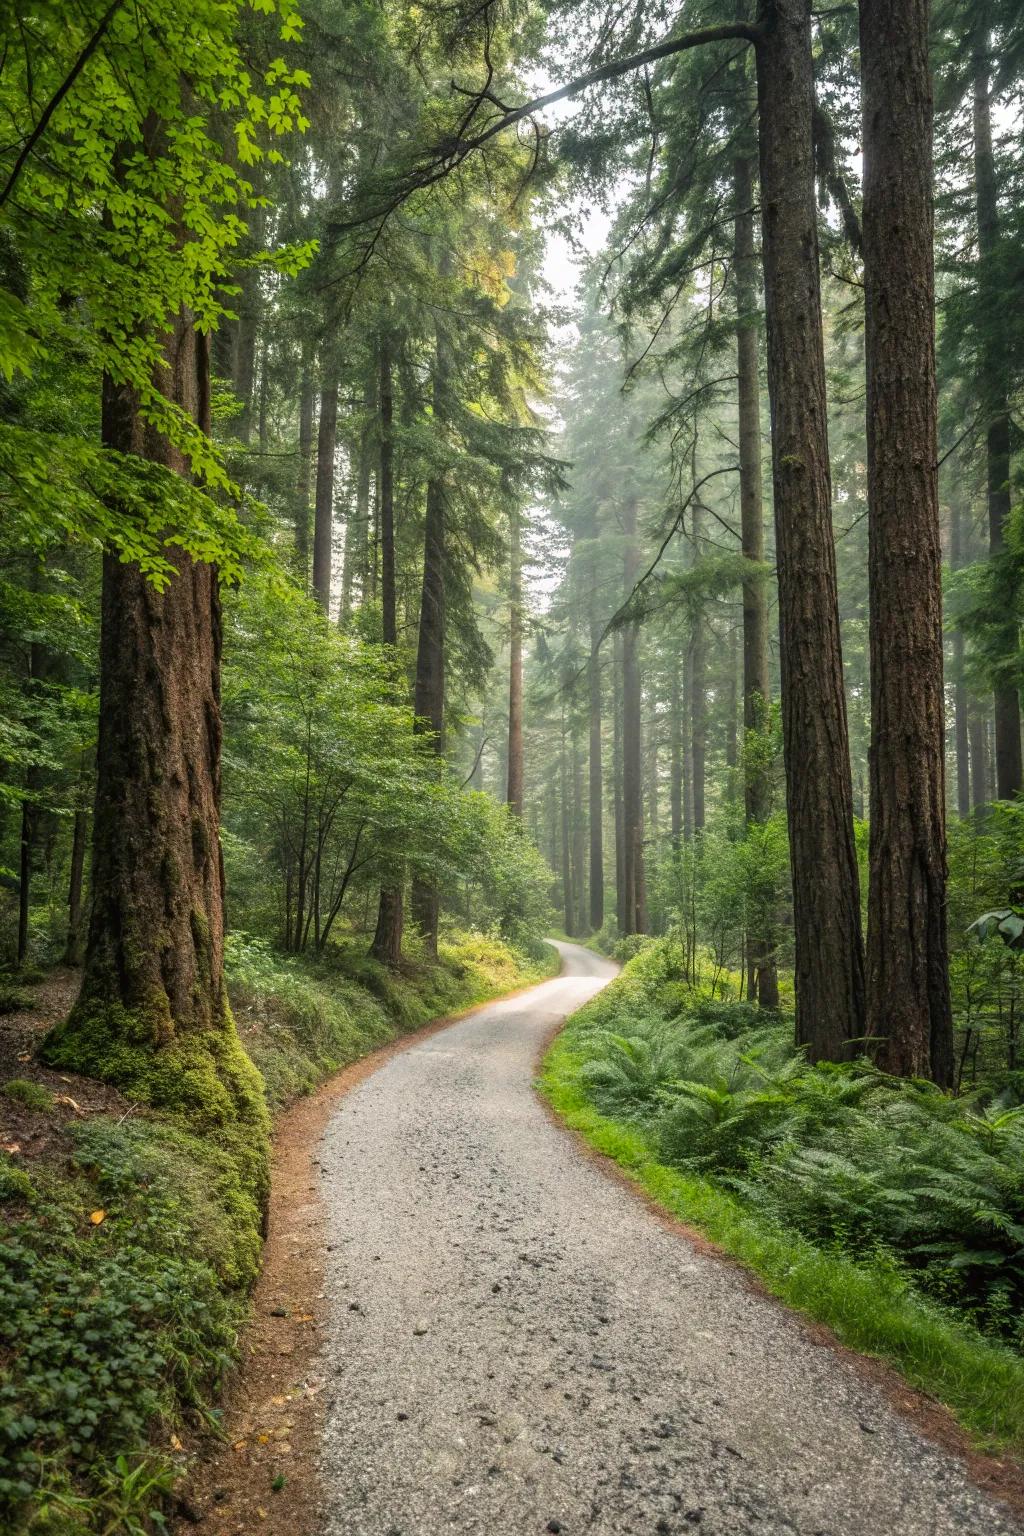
(517, 1344)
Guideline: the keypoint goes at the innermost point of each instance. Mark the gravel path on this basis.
(517, 1345)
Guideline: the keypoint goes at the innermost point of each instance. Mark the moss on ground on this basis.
(127, 1259)
(31, 1095)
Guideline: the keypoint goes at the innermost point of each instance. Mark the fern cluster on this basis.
(843, 1154)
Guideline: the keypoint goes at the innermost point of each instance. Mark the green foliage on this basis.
(119, 1301)
(729, 882)
(302, 1019)
(15, 1184)
(123, 196)
(31, 1095)
(986, 863)
(865, 1299)
(843, 1155)
(329, 789)
(123, 1280)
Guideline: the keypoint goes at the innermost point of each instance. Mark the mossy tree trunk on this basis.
(153, 1014)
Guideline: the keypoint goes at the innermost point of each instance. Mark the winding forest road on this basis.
(518, 1345)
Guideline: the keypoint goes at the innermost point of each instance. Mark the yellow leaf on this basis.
(97, 1216)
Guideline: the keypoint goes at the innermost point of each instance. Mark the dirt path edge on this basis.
(263, 1477)
(1001, 1477)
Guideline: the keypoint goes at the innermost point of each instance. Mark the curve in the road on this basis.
(517, 1345)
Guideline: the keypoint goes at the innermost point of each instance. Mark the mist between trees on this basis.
(282, 351)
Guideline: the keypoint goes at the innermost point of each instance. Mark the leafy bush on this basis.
(630, 946)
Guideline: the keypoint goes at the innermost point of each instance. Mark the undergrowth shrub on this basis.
(120, 1297)
(844, 1155)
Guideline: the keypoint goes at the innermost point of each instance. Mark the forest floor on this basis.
(463, 1326)
(131, 1226)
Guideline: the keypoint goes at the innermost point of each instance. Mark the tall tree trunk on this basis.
(653, 771)
(73, 947)
(961, 725)
(386, 510)
(387, 939)
(732, 741)
(515, 667)
(977, 735)
(153, 1014)
(429, 692)
(908, 968)
(263, 414)
(762, 965)
(568, 904)
(26, 845)
(676, 757)
(617, 798)
(304, 476)
(430, 657)
(579, 832)
(323, 521)
(826, 902)
(632, 745)
(994, 385)
(357, 533)
(698, 696)
(595, 773)
(687, 785)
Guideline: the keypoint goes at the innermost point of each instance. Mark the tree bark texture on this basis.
(429, 693)
(620, 841)
(305, 467)
(595, 775)
(635, 902)
(698, 702)
(74, 948)
(514, 794)
(909, 1009)
(386, 512)
(961, 722)
(829, 967)
(762, 965)
(323, 520)
(676, 755)
(153, 1014)
(387, 939)
(568, 904)
(994, 386)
